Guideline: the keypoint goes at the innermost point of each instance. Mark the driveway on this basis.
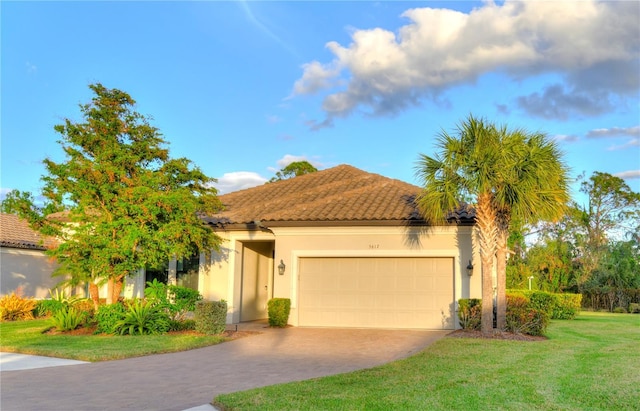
(183, 380)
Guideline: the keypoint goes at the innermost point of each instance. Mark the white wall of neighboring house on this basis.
(30, 271)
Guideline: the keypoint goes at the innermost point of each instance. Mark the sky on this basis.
(244, 88)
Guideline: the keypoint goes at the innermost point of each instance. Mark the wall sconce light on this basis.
(470, 269)
(281, 267)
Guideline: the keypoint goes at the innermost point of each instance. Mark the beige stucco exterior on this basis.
(221, 277)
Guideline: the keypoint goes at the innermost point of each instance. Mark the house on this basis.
(23, 263)
(349, 249)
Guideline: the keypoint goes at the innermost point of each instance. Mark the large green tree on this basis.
(506, 174)
(126, 203)
(294, 169)
(612, 209)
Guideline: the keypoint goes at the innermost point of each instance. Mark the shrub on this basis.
(176, 300)
(522, 318)
(46, 308)
(59, 300)
(211, 316)
(542, 300)
(279, 309)
(16, 307)
(619, 310)
(567, 306)
(634, 308)
(85, 305)
(108, 316)
(182, 325)
(143, 318)
(559, 306)
(470, 313)
(67, 319)
(183, 300)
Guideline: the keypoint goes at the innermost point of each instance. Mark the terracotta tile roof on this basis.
(16, 233)
(342, 194)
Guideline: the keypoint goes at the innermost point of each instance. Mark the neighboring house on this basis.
(349, 249)
(23, 263)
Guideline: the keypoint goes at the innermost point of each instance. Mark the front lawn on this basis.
(27, 337)
(591, 362)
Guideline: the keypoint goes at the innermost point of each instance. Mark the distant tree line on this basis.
(594, 250)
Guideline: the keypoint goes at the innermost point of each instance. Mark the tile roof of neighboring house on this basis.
(340, 195)
(16, 233)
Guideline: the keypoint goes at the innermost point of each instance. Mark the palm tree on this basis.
(505, 175)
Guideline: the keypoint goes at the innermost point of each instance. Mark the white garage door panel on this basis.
(376, 292)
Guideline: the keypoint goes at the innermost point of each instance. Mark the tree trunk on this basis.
(117, 288)
(503, 222)
(501, 280)
(114, 288)
(487, 232)
(110, 291)
(94, 293)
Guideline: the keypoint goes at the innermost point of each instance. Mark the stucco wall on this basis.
(29, 269)
(222, 278)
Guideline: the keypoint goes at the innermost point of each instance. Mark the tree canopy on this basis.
(297, 168)
(506, 174)
(595, 248)
(119, 201)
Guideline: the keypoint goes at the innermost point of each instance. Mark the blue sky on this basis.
(243, 88)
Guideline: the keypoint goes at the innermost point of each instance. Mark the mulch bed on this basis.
(496, 335)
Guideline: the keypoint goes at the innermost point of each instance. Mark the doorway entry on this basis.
(257, 279)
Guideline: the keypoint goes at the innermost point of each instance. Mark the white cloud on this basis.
(290, 158)
(635, 142)
(238, 180)
(583, 42)
(628, 174)
(614, 132)
(566, 138)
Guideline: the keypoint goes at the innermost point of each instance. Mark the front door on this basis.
(257, 268)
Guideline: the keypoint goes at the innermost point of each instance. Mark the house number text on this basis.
(374, 246)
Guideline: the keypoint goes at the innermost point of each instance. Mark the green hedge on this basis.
(211, 316)
(558, 306)
(526, 316)
(567, 306)
(528, 312)
(279, 309)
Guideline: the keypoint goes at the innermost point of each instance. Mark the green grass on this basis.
(27, 337)
(590, 363)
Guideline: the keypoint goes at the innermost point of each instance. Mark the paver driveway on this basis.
(179, 381)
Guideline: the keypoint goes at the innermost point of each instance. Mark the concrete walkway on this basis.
(190, 379)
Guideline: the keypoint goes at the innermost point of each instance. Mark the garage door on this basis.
(376, 292)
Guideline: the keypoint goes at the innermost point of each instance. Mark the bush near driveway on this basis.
(211, 317)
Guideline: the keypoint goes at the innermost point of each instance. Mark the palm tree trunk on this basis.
(487, 232)
(94, 293)
(114, 288)
(501, 280)
(117, 288)
(503, 221)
